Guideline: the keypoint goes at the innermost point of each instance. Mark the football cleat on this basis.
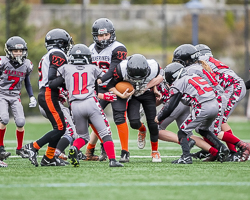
(141, 140)
(63, 156)
(3, 164)
(22, 152)
(114, 163)
(103, 156)
(90, 155)
(234, 157)
(245, 150)
(73, 152)
(32, 153)
(124, 156)
(3, 154)
(51, 162)
(210, 158)
(223, 153)
(81, 156)
(200, 154)
(156, 157)
(184, 159)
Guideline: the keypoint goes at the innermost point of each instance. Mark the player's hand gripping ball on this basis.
(123, 85)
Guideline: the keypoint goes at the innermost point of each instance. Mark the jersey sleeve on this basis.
(57, 59)
(117, 77)
(118, 54)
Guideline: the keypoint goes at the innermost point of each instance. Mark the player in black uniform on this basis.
(58, 43)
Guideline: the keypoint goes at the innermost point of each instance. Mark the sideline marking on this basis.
(132, 184)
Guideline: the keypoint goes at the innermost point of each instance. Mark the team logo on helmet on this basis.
(48, 37)
(78, 51)
(196, 55)
(19, 46)
(102, 31)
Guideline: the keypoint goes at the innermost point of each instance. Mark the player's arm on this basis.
(29, 90)
(158, 79)
(247, 83)
(169, 108)
(119, 54)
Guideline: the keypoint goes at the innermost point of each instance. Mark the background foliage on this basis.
(224, 34)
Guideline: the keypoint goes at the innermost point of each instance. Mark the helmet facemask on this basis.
(18, 59)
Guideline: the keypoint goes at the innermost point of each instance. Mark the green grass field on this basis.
(140, 179)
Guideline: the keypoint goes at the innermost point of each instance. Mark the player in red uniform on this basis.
(14, 70)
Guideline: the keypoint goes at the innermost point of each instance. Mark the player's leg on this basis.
(17, 110)
(4, 120)
(119, 108)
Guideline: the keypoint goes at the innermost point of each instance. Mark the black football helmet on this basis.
(80, 54)
(137, 67)
(204, 50)
(174, 71)
(14, 43)
(58, 38)
(186, 54)
(101, 26)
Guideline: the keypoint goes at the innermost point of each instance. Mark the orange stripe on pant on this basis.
(52, 108)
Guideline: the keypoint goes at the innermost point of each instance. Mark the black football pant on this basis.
(148, 102)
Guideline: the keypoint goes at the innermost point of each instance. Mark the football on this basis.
(123, 85)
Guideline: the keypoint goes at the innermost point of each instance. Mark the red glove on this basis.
(108, 96)
(63, 95)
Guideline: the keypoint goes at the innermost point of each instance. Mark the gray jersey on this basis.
(194, 89)
(142, 86)
(11, 78)
(80, 80)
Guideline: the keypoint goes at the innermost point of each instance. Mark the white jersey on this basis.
(80, 80)
(44, 65)
(11, 77)
(142, 87)
(104, 58)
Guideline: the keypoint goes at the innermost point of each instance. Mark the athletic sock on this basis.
(91, 146)
(2, 133)
(154, 146)
(36, 146)
(109, 148)
(213, 151)
(230, 139)
(50, 152)
(79, 143)
(142, 128)
(19, 136)
(123, 135)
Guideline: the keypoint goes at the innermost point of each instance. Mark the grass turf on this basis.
(139, 179)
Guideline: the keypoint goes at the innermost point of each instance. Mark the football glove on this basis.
(33, 102)
(108, 96)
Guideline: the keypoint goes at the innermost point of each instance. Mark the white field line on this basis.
(127, 184)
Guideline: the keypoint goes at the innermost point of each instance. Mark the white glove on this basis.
(32, 102)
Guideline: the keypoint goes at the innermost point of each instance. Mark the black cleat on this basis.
(233, 157)
(223, 153)
(4, 154)
(210, 158)
(81, 156)
(51, 162)
(114, 163)
(245, 150)
(200, 154)
(124, 156)
(22, 152)
(184, 159)
(103, 156)
(32, 153)
(73, 155)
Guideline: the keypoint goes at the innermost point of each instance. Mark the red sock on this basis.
(79, 143)
(142, 128)
(213, 151)
(19, 136)
(154, 146)
(109, 147)
(2, 133)
(230, 139)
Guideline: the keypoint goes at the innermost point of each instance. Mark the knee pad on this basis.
(5, 119)
(20, 122)
(135, 124)
(69, 138)
(119, 117)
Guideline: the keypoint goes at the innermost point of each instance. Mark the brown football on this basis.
(123, 85)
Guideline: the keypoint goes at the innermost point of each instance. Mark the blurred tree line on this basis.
(224, 34)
